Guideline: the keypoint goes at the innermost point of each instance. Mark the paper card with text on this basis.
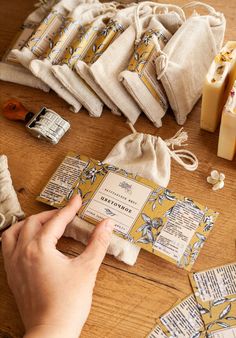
(157, 332)
(162, 222)
(183, 320)
(215, 291)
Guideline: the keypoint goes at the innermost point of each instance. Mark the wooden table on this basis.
(127, 300)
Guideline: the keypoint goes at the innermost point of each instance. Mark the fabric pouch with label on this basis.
(11, 69)
(65, 70)
(10, 209)
(215, 291)
(184, 62)
(139, 153)
(43, 68)
(106, 72)
(117, 24)
(140, 78)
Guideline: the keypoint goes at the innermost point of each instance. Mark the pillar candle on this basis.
(227, 137)
(218, 82)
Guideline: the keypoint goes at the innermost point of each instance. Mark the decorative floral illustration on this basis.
(109, 212)
(147, 229)
(157, 197)
(127, 187)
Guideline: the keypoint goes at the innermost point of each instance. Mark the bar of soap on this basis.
(219, 80)
(227, 137)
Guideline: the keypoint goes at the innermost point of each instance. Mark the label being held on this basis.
(160, 221)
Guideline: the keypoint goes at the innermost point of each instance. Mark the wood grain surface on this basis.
(127, 300)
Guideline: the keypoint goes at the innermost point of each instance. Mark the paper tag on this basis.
(157, 332)
(215, 291)
(105, 37)
(142, 211)
(142, 62)
(183, 320)
(224, 333)
(46, 32)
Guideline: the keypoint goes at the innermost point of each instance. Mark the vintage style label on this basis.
(157, 332)
(45, 34)
(60, 45)
(162, 222)
(215, 291)
(142, 62)
(183, 320)
(80, 46)
(105, 37)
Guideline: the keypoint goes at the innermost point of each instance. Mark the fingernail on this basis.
(109, 225)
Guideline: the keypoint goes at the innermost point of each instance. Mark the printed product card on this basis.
(183, 320)
(157, 332)
(215, 291)
(160, 221)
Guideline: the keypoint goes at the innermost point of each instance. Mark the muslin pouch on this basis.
(65, 71)
(145, 155)
(51, 24)
(10, 69)
(10, 209)
(184, 61)
(42, 68)
(117, 24)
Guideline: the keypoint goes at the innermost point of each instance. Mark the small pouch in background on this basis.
(65, 70)
(11, 69)
(107, 35)
(145, 155)
(184, 61)
(43, 68)
(108, 66)
(10, 209)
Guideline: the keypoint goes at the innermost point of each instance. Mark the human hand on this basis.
(53, 292)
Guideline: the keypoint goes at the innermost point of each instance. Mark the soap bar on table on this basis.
(227, 137)
(219, 81)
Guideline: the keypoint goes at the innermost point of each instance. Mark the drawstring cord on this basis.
(178, 155)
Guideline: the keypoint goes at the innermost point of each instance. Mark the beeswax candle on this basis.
(218, 82)
(227, 137)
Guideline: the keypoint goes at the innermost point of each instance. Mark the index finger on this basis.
(55, 227)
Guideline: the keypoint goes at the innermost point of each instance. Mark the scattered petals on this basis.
(216, 179)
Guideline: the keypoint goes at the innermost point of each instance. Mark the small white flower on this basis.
(216, 179)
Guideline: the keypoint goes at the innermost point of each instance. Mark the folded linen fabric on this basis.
(43, 68)
(145, 155)
(181, 67)
(10, 209)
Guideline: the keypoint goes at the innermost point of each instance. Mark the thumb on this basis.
(98, 243)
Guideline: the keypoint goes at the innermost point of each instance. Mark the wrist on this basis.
(41, 331)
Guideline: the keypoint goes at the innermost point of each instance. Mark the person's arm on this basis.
(53, 292)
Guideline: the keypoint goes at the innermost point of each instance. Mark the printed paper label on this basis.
(164, 223)
(225, 333)
(179, 230)
(215, 291)
(157, 333)
(120, 199)
(183, 320)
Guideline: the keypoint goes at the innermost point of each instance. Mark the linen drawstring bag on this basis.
(117, 24)
(65, 72)
(184, 61)
(106, 73)
(10, 69)
(145, 155)
(43, 68)
(140, 77)
(10, 209)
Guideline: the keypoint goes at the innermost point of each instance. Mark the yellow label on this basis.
(160, 221)
(142, 62)
(79, 47)
(105, 37)
(45, 34)
(215, 291)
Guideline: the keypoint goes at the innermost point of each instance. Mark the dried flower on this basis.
(216, 179)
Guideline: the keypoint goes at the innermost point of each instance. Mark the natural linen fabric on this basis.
(120, 21)
(43, 68)
(144, 155)
(10, 209)
(186, 58)
(70, 79)
(107, 68)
